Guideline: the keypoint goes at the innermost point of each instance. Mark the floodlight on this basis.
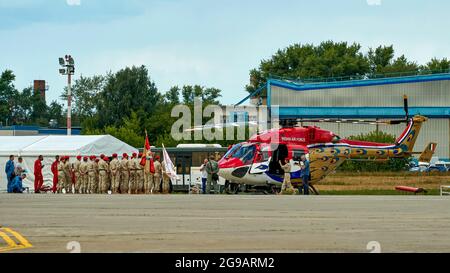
(71, 61)
(62, 71)
(61, 61)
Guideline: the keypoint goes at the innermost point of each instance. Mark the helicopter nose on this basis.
(230, 163)
(226, 173)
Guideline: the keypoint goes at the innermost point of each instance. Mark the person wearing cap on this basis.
(212, 168)
(103, 169)
(84, 180)
(91, 174)
(97, 178)
(102, 157)
(54, 169)
(158, 174)
(149, 173)
(68, 174)
(108, 174)
(76, 171)
(140, 174)
(136, 175)
(125, 174)
(114, 167)
(61, 175)
(132, 171)
(16, 184)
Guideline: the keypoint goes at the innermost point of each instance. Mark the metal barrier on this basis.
(445, 190)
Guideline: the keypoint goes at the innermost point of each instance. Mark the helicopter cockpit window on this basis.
(265, 153)
(232, 150)
(245, 154)
(296, 154)
(335, 139)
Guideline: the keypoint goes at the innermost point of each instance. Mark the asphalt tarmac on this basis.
(225, 223)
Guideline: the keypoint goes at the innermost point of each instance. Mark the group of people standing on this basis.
(137, 174)
(286, 187)
(210, 175)
(128, 175)
(15, 173)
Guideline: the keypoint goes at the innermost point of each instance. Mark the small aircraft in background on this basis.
(428, 163)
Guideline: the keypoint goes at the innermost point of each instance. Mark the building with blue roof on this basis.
(379, 98)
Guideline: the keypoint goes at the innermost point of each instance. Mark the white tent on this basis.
(30, 147)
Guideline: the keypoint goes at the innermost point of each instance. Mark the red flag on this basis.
(147, 143)
(142, 160)
(147, 148)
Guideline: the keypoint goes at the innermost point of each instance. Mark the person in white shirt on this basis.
(19, 168)
(204, 175)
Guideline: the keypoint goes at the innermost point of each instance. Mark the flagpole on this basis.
(171, 168)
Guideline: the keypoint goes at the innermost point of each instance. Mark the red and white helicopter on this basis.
(255, 163)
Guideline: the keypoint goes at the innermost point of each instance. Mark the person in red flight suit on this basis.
(38, 177)
(55, 173)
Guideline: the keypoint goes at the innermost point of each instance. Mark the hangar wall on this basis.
(428, 95)
(435, 93)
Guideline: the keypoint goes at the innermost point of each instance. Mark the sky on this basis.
(214, 43)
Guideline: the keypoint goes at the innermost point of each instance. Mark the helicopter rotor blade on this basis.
(219, 126)
(350, 121)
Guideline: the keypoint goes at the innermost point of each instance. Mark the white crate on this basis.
(445, 190)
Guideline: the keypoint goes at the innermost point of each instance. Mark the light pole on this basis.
(68, 69)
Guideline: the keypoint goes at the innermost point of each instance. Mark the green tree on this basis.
(8, 97)
(375, 136)
(399, 65)
(128, 132)
(85, 96)
(26, 107)
(188, 94)
(380, 58)
(437, 65)
(39, 112)
(208, 95)
(173, 95)
(160, 123)
(128, 90)
(130, 95)
(339, 60)
(329, 59)
(383, 64)
(55, 111)
(23, 107)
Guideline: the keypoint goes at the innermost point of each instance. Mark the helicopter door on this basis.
(280, 153)
(296, 158)
(260, 162)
